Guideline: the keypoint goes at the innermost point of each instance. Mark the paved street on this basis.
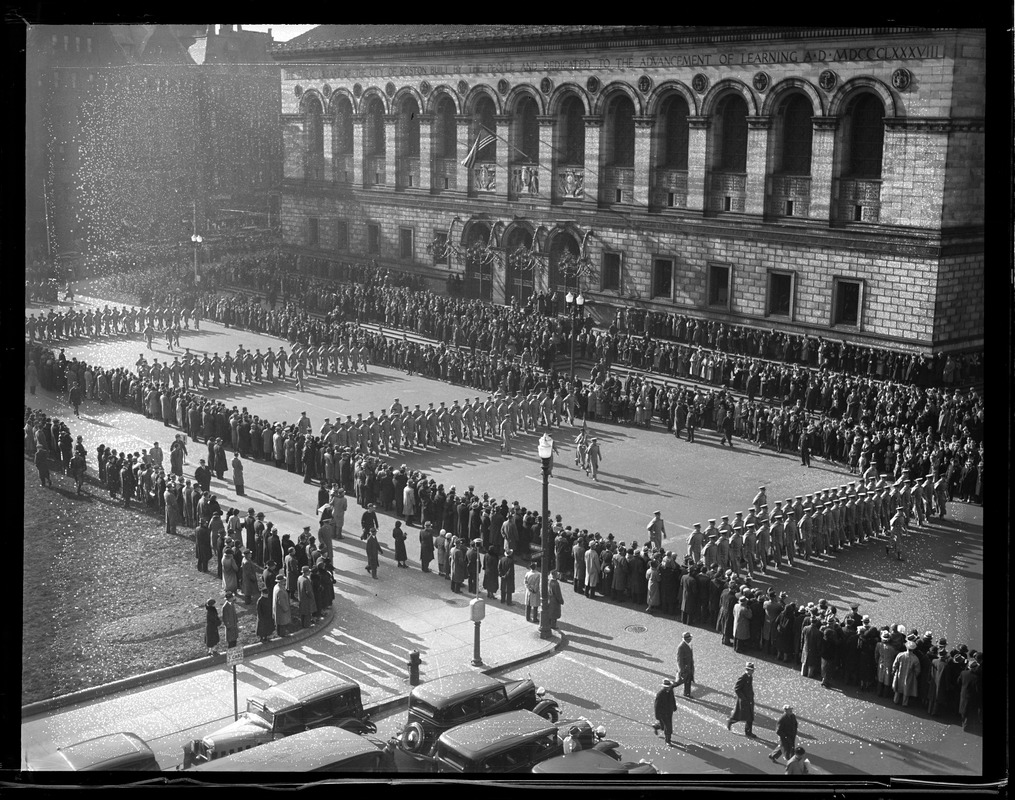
(608, 669)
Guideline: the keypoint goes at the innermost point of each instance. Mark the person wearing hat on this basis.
(265, 622)
(685, 664)
(884, 656)
(665, 705)
(905, 674)
(743, 711)
(571, 744)
(786, 730)
(212, 625)
(695, 539)
(656, 529)
(798, 764)
(970, 693)
(281, 609)
(373, 550)
(305, 597)
(230, 621)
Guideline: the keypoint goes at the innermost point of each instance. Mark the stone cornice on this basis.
(825, 123)
(759, 123)
(935, 124)
(699, 123)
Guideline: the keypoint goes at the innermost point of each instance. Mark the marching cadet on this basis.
(373, 433)
(468, 419)
(710, 552)
(898, 525)
(594, 454)
(430, 418)
(737, 542)
(396, 408)
(505, 435)
(419, 418)
(763, 539)
(711, 530)
(581, 449)
(919, 505)
(807, 532)
(455, 415)
(444, 424)
(940, 494)
(481, 421)
(790, 533)
(694, 542)
(760, 498)
(722, 557)
(750, 546)
(492, 420)
(384, 430)
(396, 432)
(777, 534)
(269, 364)
(851, 515)
(409, 429)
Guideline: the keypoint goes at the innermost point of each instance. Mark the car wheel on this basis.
(550, 714)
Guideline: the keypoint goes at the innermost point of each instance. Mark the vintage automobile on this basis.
(592, 762)
(300, 704)
(438, 705)
(511, 742)
(114, 752)
(325, 749)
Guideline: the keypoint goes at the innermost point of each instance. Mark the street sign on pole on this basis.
(234, 656)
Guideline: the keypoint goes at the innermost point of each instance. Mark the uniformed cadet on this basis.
(710, 552)
(807, 532)
(372, 433)
(444, 424)
(723, 549)
(790, 534)
(384, 430)
(711, 530)
(694, 542)
(750, 546)
(455, 415)
(798, 508)
(898, 525)
(468, 419)
(396, 431)
(396, 408)
(760, 498)
(777, 533)
(763, 540)
(430, 419)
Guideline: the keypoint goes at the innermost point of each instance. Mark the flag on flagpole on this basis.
(477, 145)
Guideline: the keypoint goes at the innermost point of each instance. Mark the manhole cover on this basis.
(636, 629)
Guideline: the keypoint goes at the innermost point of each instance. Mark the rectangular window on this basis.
(440, 240)
(662, 278)
(671, 199)
(341, 233)
(611, 272)
(727, 204)
(847, 300)
(373, 238)
(620, 196)
(88, 43)
(77, 44)
(780, 294)
(313, 231)
(405, 244)
(719, 285)
(789, 208)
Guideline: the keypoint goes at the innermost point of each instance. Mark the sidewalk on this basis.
(368, 640)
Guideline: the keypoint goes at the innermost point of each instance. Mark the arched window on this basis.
(562, 244)
(572, 132)
(526, 131)
(795, 153)
(478, 275)
(407, 133)
(733, 134)
(620, 131)
(373, 128)
(518, 278)
(866, 137)
(315, 139)
(446, 130)
(343, 126)
(673, 141)
(485, 125)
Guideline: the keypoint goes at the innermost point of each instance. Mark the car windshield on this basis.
(255, 709)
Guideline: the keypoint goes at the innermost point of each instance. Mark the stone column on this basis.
(327, 131)
(425, 151)
(546, 157)
(463, 122)
(593, 130)
(390, 150)
(697, 161)
(502, 123)
(358, 129)
(757, 164)
(642, 160)
(822, 166)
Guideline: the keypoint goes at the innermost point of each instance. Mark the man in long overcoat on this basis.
(426, 547)
(532, 586)
(373, 548)
(280, 607)
(786, 730)
(744, 709)
(685, 664)
(305, 592)
(741, 625)
(491, 579)
(265, 621)
(905, 672)
(665, 705)
(230, 621)
(202, 542)
(970, 694)
(688, 597)
(506, 571)
(810, 647)
(592, 567)
(459, 565)
(554, 599)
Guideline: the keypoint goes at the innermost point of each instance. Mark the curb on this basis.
(164, 673)
(134, 681)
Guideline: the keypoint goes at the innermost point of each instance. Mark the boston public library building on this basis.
(824, 181)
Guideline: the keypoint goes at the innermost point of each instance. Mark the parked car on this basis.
(592, 762)
(297, 705)
(511, 742)
(441, 704)
(325, 749)
(113, 752)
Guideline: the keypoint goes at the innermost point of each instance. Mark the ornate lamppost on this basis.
(574, 307)
(545, 448)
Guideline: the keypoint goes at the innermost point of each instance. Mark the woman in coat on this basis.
(867, 668)
(265, 622)
(491, 578)
(905, 672)
(409, 503)
(230, 580)
(400, 555)
(783, 636)
(443, 560)
(724, 623)
(578, 554)
(280, 610)
(211, 627)
(829, 651)
(426, 548)
(554, 599)
(591, 572)
(884, 656)
(620, 574)
(741, 625)
(327, 580)
(653, 577)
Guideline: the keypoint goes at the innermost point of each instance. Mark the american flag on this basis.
(477, 145)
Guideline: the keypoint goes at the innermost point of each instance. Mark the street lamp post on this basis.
(196, 239)
(574, 306)
(545, 447)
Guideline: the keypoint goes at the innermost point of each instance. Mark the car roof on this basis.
(483, 737)
(301, 752)
(584, 762)
(450, 688)
(100, 753)
(302, 689)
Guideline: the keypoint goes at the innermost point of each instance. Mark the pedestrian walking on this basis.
(211, 627)
(265, 621)
(656, 529)
(665, 705)
(237, 474)
(400, 554)
(743, 711)
(798, 765)
(426, 547)
(786, 730)
(305, 595)
(685, 664)
(555, 599)
(281, 612)
(373, 548)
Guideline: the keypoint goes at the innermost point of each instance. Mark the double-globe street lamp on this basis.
(574, 307)
(545, 448)
(196, 239)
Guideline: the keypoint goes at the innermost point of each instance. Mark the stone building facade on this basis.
(826, 181)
